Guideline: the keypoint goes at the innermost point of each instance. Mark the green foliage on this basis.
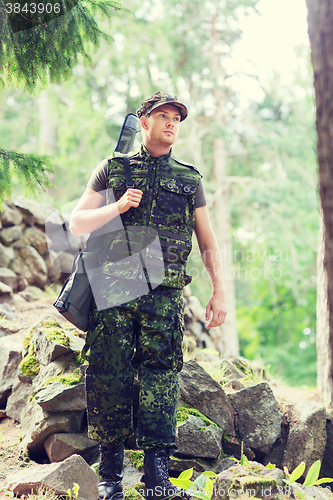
(201, 488)
(72, 378)
(136, 458)
(185, 410)
(74, 492)
(47, 53)
(58, 336)
(311, 478)
(30, 170)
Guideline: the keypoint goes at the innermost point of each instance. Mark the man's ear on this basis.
(143, 121)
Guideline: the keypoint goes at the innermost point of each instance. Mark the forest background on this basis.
(257, 157)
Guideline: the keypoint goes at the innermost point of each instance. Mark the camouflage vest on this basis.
(167, 208)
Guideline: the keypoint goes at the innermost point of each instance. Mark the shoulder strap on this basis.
(128, 176)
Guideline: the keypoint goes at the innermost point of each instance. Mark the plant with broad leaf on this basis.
(311, 478)
(201, 488)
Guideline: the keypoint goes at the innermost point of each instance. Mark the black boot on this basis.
(111, 470)
(157, 479)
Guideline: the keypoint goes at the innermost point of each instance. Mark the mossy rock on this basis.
(71, 378)
(185, 410)
(57, 335)
(29, 365)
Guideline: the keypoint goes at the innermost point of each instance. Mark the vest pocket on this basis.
(175, 202)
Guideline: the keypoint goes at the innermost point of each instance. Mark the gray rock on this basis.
(252, 480)
(10, 215)
(18, 400)
(6, 312)
(47, 350)
(10, 359)
(6, 255)
(38, 425)
(5, 291)
(54, 369)
(195, 439)
(9, 277)
(307, 435)
(31, 293)
(59, 477)
(61, 446)
(204, 393)
(30, 264)
(10, 234)
(257, 417)
(33, 212)
(36, 238)
(58, 397)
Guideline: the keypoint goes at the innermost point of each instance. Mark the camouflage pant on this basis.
(144, 334)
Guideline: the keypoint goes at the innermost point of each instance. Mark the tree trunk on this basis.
(320, 22)
(223, 235)
(324, 382)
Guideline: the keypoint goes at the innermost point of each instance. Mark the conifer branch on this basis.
(30, 169)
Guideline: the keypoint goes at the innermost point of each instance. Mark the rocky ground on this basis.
(24, 314)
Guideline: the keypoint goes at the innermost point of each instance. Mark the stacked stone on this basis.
(25, 256)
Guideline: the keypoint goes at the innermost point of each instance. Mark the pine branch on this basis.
(49, 51)
(32, 170)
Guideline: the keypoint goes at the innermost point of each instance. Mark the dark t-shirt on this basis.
(99, 181)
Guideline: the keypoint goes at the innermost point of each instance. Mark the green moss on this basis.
(78, 360)
(72, 378)
(136, 458)
(57, 335)
(135, 493)
(29, 365)
(184, 411)
(28, 337)
(50, 322)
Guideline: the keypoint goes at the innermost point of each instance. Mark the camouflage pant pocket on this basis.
(177, 340)
(94, 348)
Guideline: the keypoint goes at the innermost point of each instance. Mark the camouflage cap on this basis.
(159, 99)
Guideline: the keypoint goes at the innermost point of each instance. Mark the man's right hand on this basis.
(131, 198)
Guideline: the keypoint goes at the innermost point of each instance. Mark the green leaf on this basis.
(182, 483)
(200, 482)
(209, 473)
(270, 466)
(208, 490)
(186, 474)
(296, 473)
(322, 480)
(312, 474)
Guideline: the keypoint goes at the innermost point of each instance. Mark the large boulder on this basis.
(248, 481)
(36, 238)
(61, 446)
(38, 425)
(257, 417)
(10, 234)
(58, 397)
(6, 255)
(200, 390)
(59, 477)
(30, 264)
(9, 278)
(10, 358)
(10, 216)
(307, 435)
(197, 439)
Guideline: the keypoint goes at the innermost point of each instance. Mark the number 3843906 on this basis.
(33, 8)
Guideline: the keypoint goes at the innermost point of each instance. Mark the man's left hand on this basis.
(216, 305)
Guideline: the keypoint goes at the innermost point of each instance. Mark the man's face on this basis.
(162, 126)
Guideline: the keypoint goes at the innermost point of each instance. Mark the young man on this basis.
(145, 334)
